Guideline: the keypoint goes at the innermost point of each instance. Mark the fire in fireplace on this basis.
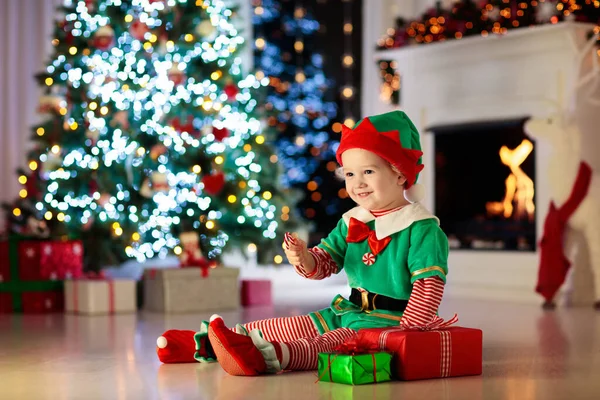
(484, 185)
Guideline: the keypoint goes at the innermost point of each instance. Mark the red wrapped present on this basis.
(31, 297)
(50, 260)
(256, 292)
(4, 262)
(42, 302)
(440, 353)
(6, 306)
(27, 296)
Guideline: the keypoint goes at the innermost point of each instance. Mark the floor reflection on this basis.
(528, 354)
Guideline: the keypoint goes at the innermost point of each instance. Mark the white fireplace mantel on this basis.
(476, 79)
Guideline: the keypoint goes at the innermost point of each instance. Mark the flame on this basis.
(519, 187)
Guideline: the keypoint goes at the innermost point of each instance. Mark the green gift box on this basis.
(356, 369)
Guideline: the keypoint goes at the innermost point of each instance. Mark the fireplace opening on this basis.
(484, 185)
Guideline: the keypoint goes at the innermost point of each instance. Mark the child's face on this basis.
(371, 182)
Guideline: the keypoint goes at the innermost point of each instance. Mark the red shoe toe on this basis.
(236, 353)
(176, 346)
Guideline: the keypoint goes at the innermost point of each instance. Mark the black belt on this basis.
(368, 301)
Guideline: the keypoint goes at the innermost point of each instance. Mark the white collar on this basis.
(393, 222)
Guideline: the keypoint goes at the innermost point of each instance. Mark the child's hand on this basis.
(296, 251)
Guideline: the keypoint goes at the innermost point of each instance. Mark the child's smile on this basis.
(371, 182)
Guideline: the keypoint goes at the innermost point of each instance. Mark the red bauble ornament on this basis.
(138, 29)
(188, 126)
(104, 38)
(69, 38)
(91, 5)
(32, 185)
(213, 183)
(93, 187)
(231, 90)
(220, 133)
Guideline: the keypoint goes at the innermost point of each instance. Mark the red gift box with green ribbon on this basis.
(30, 271)
(454, 351)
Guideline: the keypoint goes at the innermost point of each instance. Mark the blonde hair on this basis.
(339, 171)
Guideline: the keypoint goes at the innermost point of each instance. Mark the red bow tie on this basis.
(359, 231)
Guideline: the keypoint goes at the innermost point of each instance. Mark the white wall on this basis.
(25, 28)
(405, 8)
(422, 5)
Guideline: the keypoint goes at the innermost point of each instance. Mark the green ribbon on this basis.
(15, 286)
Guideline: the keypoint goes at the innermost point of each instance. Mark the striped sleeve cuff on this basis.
(423, 303)
(324, 265)
(288, 239)
(302, 272)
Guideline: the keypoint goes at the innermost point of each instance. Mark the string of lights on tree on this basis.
(285, 52)
(348, 64)
(469, 18)
(151, 130)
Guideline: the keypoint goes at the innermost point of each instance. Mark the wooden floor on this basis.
(528, 354)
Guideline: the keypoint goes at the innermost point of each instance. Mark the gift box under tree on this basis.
(256, 292)
(96, 295)
(181, 290)
(31, 273)
(41, 260)
(453, 351)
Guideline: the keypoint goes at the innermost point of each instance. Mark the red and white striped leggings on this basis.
(300, 340)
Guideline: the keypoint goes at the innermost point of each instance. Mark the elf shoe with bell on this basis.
(242, 355)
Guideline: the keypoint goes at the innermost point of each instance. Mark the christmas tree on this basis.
(152, 130)
(287, 53)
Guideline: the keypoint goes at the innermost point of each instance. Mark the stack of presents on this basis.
(385, 354)
(47, 276)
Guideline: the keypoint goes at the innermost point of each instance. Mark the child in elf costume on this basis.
(391, 247)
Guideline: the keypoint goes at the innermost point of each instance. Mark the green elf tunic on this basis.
(417, 249)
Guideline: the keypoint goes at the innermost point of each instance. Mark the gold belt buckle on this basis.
(364, 297)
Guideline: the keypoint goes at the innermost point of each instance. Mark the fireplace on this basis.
(484, 185)
(468, 98)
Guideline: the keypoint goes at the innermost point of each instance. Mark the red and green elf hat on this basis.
(393, 137)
